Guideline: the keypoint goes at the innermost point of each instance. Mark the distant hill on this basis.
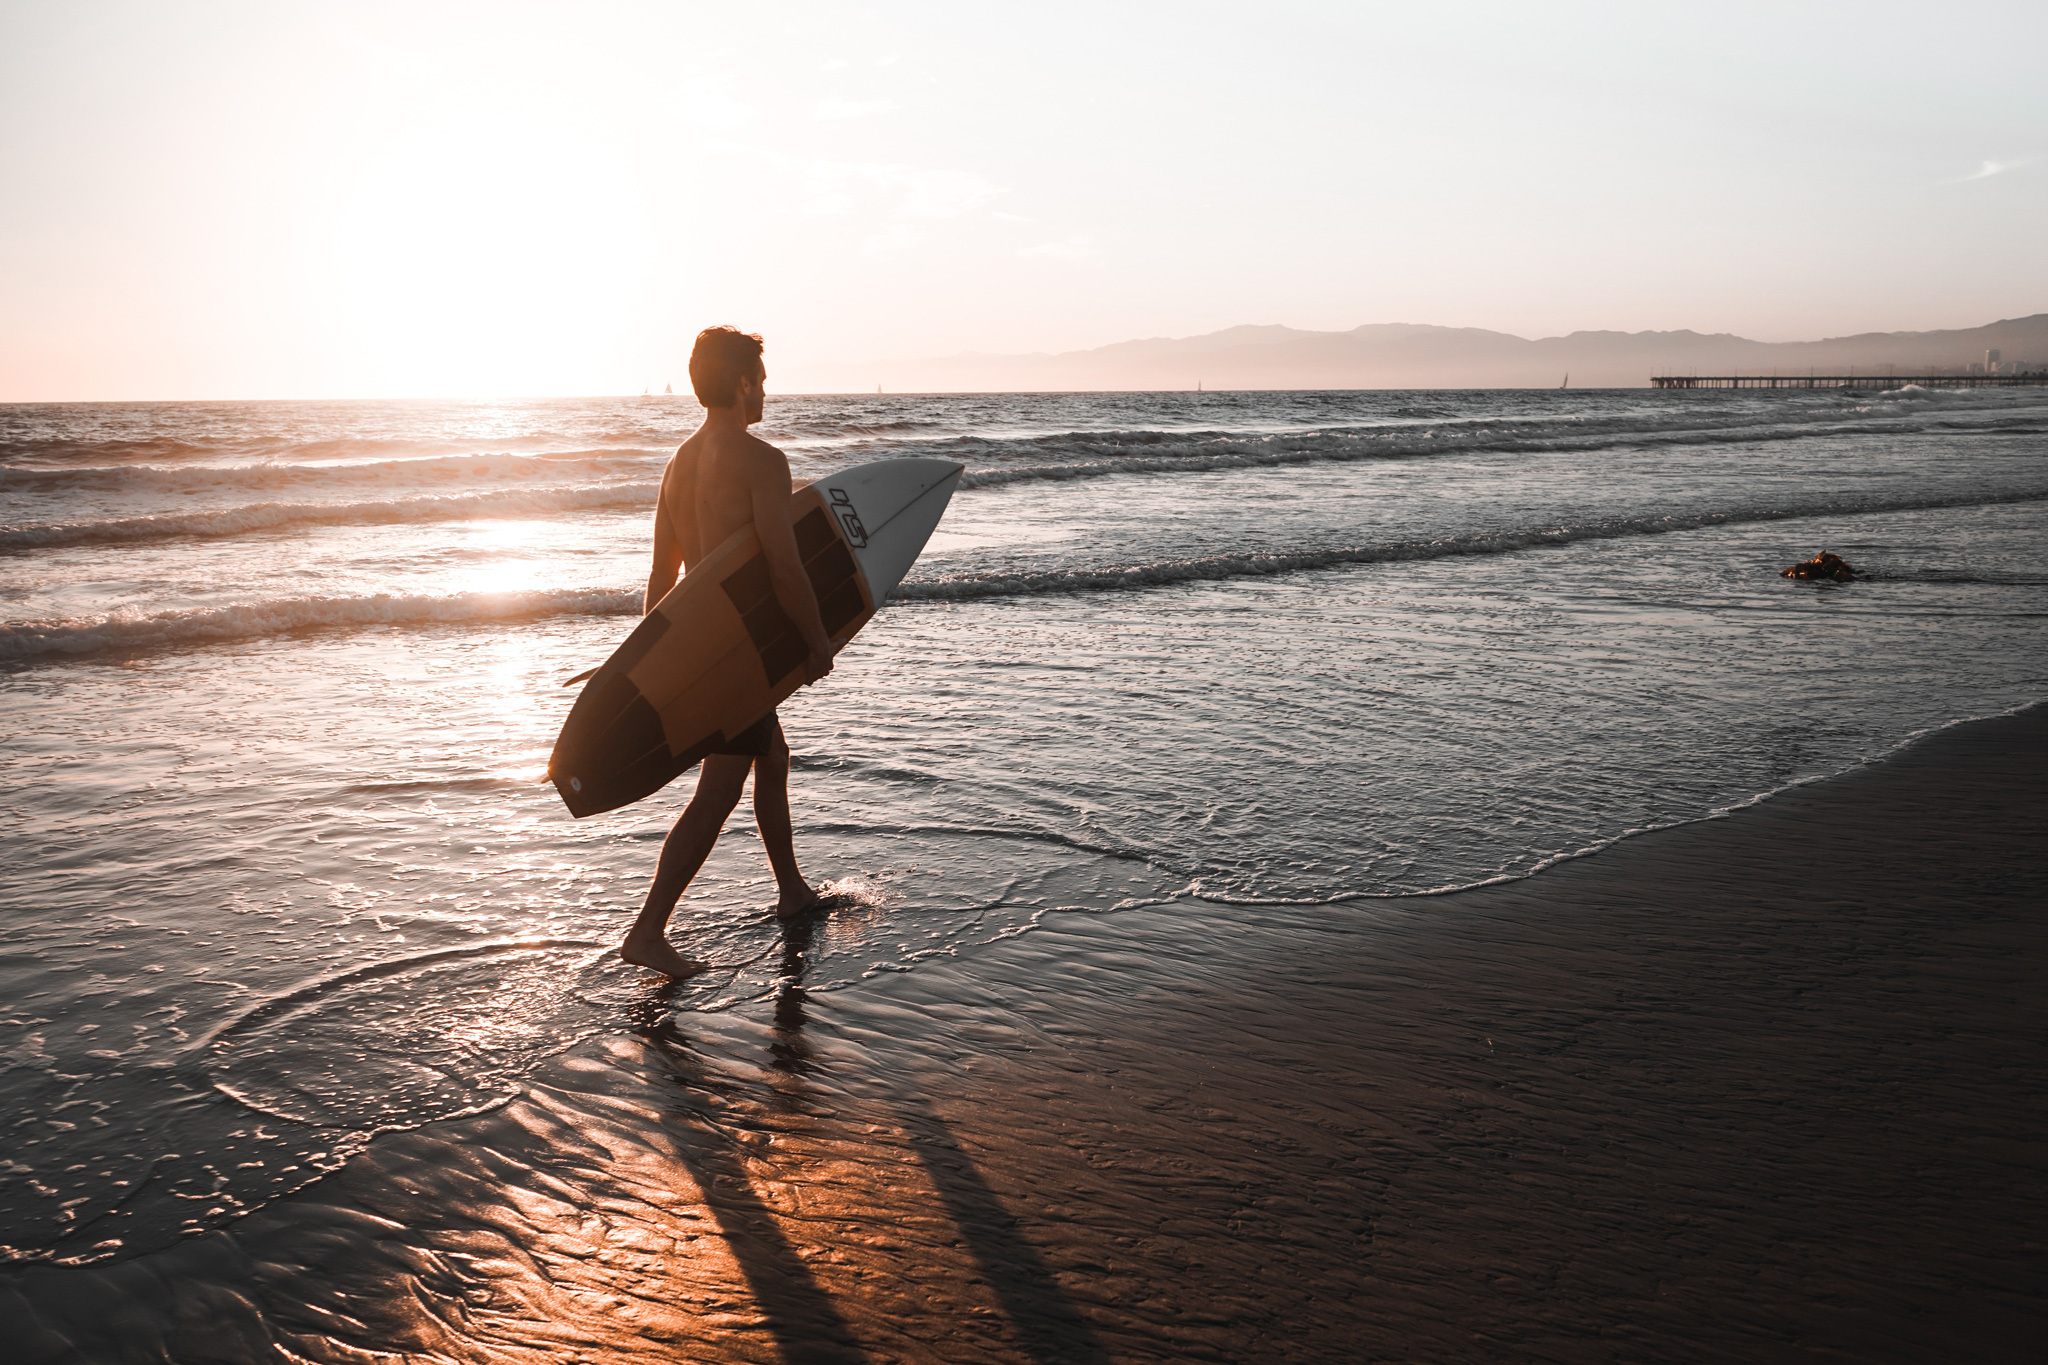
(1406, 355)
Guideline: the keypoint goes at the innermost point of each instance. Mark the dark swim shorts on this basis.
(756, 741)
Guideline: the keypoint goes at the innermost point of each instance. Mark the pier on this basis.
(1849, 381)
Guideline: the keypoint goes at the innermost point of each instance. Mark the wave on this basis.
(612, 463)
(1158, 453)
(140, 437)
(1965, 578)
(221, 452)
(1216, 567)
(804, 432)
(271, 516)
(130, 629)
(270, 475)
(1127, 452)
(267, 1010)
(247, 446)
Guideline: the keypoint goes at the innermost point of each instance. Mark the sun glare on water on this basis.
(513, 682)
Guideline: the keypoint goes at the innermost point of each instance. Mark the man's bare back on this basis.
(722, 480)
(705, 490)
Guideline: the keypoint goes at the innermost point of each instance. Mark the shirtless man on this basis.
(721, 480)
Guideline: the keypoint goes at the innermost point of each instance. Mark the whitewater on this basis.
(280, 679)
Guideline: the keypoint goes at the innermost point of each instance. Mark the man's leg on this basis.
(719, 783)
(771, 817)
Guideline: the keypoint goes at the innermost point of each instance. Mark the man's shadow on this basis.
(1030, 1295)
(800, 1314)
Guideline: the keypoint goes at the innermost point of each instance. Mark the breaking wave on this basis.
(131, 629)
(602, 465)
(1162, 453)
(271, 516)
(1255, 564)
(273, 476)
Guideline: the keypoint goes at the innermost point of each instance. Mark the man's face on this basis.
(752, 391)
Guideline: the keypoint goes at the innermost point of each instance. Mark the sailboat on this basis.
(669, 390)
(1567, 380)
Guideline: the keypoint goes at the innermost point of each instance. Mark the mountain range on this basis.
(1407, 355)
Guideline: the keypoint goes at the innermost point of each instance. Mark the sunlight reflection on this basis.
(515, 682)
(507, 557)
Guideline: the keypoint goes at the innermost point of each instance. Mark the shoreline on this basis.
(1764, 1084)
(1761, 799)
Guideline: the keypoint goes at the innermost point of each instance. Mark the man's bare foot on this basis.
(658, 954)
(795, 905)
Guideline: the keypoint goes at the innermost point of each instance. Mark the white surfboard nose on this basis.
(892, 506)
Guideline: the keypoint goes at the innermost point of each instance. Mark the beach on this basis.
(1384, 873)
(1445, 765)
(1765, 1087)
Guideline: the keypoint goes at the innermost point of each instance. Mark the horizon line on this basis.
(1040, 356)
(1645, 386)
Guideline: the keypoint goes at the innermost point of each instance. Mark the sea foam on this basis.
(265, 476)
(129, 629)
(992, 463)
(271, 516)
(1254, 564)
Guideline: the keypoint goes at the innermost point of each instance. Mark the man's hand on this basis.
(668, 558)
(767, 477)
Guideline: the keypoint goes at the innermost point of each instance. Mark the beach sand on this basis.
(1765, 1087)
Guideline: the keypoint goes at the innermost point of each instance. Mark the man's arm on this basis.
(768, 485)
(668, 559)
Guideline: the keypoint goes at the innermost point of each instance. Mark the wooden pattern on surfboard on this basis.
(714, 656)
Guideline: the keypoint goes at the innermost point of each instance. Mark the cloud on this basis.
(1066, 249)
(944, 194)
(1989, 169)
(845, 109)
(707, 107)
(895, 237)
(835, 189)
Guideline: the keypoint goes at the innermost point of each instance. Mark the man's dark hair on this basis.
(722, 357)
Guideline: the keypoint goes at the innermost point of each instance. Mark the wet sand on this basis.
(1768, 1087)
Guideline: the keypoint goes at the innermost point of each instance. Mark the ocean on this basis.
(279, 681)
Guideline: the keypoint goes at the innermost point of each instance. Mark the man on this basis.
(723, 480)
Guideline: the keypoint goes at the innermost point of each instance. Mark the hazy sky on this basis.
(298, 200)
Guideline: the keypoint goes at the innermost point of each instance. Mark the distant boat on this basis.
(668, 390)
(1567, 380)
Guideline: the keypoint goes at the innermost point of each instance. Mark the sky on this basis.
(230, 200)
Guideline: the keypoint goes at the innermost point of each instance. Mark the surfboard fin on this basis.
(585, 676)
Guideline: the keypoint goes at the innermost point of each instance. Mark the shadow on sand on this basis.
(799, 1311)
(1031, 1298)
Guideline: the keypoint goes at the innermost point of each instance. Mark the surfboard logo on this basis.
(842, 507)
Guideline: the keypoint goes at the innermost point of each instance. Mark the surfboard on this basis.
(718, 653)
